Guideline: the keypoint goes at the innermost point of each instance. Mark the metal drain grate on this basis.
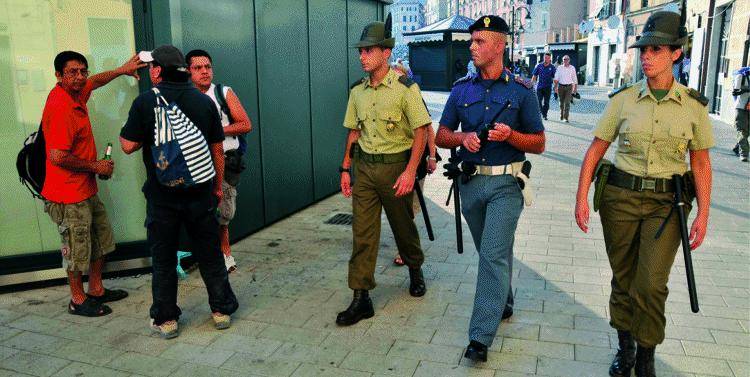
(340, 219)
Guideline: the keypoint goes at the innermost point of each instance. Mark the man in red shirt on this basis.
(70, 184)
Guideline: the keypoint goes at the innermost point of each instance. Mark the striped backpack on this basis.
(180, 152)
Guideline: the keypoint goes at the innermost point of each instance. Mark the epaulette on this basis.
(698, 96)
(618, 90)
(525, 83)
(406, 81)
(462, 79)
(360, 81)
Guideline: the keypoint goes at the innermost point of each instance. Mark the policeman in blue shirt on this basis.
(544, 73)
(491, 198)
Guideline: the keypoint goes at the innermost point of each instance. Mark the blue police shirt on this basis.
(474, 102)
(546, 75)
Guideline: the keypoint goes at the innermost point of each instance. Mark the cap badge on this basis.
(486, 22)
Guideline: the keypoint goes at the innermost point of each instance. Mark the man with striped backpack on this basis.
(180, 133)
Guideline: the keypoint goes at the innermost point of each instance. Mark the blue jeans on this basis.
(491, 206)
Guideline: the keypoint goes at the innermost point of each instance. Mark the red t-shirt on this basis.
(66, 127)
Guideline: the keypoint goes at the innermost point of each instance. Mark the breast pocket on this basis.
(633, 132)
(470, 112)
(680, 134)
(391, 119)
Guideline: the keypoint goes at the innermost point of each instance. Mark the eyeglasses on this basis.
(75, 72)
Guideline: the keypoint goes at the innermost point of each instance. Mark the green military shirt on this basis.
(653, 136)
(386, 114)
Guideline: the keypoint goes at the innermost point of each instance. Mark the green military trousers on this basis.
(373, 190)
(640, 263)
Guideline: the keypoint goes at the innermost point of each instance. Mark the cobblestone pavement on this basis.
(292, 282)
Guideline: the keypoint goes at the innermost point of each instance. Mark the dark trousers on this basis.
(542, 95)
(163, 223)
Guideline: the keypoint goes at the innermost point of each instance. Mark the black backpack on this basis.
(31, 163)
(219, 93)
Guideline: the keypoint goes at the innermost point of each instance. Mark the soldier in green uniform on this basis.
(387, 123)
(655, 123)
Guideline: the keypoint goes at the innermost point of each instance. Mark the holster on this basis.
(601, 175)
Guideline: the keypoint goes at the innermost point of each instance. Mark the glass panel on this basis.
(32, 32)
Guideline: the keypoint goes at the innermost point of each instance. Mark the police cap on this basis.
(491, 23)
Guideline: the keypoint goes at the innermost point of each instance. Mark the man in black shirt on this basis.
(170, 208)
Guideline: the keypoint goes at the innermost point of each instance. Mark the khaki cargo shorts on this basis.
(85, 231)
(228, 205)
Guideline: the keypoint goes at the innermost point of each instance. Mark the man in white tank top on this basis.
(236, 123)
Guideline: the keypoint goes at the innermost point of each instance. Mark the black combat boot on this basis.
(476, 351)
(625, 358)
(359, 309)
(417, 287)
(644, 362)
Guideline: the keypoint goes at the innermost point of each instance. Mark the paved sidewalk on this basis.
(292, 281)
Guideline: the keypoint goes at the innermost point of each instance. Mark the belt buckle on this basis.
(648, 184)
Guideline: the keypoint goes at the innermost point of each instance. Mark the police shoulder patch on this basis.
(360, 81)
(698, 96)
(462, 80)
(618, 90)
(525, 83)
(406, 81)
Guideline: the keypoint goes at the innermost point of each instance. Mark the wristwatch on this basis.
(342, 169)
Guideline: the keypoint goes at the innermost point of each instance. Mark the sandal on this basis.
(398, 261)
(89, 308)
(109, 295)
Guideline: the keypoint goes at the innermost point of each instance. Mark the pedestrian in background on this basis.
(566, 84)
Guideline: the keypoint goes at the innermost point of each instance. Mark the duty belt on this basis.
(385, 158)
(511, 169)
(628, 181)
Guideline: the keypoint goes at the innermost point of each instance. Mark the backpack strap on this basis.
(222, 100)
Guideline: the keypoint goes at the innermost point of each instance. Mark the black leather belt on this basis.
(628, 181)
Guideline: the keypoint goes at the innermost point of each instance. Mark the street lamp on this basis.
(517, 8)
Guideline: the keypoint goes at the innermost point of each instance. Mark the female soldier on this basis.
(655, 122)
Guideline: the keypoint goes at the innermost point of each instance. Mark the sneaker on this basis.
(221, 321)
(743, 158)
(166, 330)
(230, 263)
(736, 150)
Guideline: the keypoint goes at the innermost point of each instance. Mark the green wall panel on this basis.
(283, 89)
(329, 91)
(234, 62)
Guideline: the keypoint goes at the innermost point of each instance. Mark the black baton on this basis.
(457, 208)
(426, 215)
(679, 205)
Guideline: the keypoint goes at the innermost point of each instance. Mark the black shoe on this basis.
(359, 309)
(743, 158)
(644, 362)
(736, 150)
(625, 358)
(417, 287)
(544, 117)
(476, 351)
(507, 313)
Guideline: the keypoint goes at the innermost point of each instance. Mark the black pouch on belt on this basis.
(601, 175)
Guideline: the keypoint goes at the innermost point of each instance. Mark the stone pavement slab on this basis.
(292, 276)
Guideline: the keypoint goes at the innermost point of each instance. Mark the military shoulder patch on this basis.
(406, 81)
(525, 83)
(618, 90)
(360, 81)
(462, 79)
(698, 96)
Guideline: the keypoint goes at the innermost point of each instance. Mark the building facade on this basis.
(556, 34)
(408, 15)
(436, 10)
(606, 47)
